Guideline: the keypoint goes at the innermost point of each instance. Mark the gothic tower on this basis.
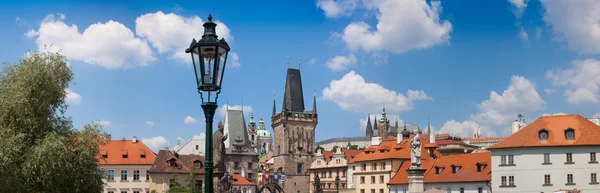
(294, 129)
(369, 129)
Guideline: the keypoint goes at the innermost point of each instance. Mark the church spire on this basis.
(369, 129)
(274, 110)
(314, 100)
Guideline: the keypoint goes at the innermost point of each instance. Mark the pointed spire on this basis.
(274, 110)
(288, 62)
(315, 101)
(251, 117)
(298, 62)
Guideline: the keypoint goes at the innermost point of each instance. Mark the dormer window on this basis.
(543, 134)
(456, 168)
(481, 166)
(171, 162)
(439, 169)
(197, 164)
(142, 154)
(569, 134)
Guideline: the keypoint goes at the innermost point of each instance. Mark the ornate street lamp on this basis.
(337, 183)
(209, 56)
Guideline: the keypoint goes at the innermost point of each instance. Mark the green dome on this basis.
(263, 133)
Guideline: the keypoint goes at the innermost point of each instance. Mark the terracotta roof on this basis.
(467, 173)
(135, 153)
(392, 150)
(449, 142)
(350, 153)
(485, 139)
(239, 180)
(327, 155)
(586, 133)
(184, 164)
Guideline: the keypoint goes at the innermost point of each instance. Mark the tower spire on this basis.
(288, 62)
(315, 101)
(274, 110)
(298, 62)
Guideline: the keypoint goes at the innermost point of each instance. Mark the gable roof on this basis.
(234, 127)
(586, 133)
(115, 149)
(185, 163)
(239, 180)
(390, 150)
(467, 172)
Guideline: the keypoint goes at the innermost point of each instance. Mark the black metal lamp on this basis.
(337, 183)
(209, 57)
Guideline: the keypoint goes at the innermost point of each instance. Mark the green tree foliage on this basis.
(334, 148)
(40, 151)
(353, 147)
(187, 187)
(319, 147)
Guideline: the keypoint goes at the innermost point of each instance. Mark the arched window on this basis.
(569, 134)
(543, 134)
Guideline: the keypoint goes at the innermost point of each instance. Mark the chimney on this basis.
(375, 140)
(398, 138)
(134, 140)
(515, 126)
(595, 120)
(432, 138)
(108, 137)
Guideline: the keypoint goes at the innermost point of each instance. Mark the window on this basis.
(372, 190)
(594, 178)
(123, 174)
(364, 167)
(125, 156)
(479, 189)
(543, 134)
(569, 158)
(111, 192)
(546, 158)
(511, 180)
(197, 164)
(343, 173)
(236, 165)
(372, 179)
(438, 170)
(380, 190)
(362, 179)
(570, 179)
(136, 191)
(462, 190)
(449, 190)
(123, 191)
(143, 156)
(147, 175)
(330, 173)
(382, 165)
(547, 180)
(593, 157)
(455, 168)
(374, 166)
(136, 175)
(172, 162)
(569, 134)
(511, 160)
(503, 160)
(171, 183)
(111, 174)
(197, 147)
(299, 168)
(362, 190)
(381, 179)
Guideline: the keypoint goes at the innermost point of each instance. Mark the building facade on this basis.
(126, 163)
(264, 140)
(241, 158)
(328, 165)
(551, 153)
(170, 168)
(194, 146)
(359, 142)
(463, 173)
(294, 130)
(242, 185)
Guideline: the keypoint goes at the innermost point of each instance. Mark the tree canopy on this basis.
(40, 150)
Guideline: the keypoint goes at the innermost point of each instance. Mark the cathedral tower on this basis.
(384, 125)
(294, 130)
(369, 129)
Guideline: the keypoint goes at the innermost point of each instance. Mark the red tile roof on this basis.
(327, 155)
(449, 142)
(467, 173)
(239, 180)
(485, 139)
(586, 133)
(184, 164)
(392, 150)
(115, 150)
(350, 153)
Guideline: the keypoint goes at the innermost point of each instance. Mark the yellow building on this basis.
(328, 165)
(169, 163)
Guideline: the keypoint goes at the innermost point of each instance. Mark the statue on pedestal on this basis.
(219, 148)
(415, 156)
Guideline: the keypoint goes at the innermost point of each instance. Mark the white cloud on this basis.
(560, 113)
(523, 34)
(338, 8)
(72, 97)
(597, 115)
(110, 45)
(402, 25)
(520, 5)
(520, 95)
(576, 22)
(340, 63)
(172, 33)
(312, 61)
(104, 123)
(538, 33)
(548, 91)
(352, 93)
(150, 123)
(235, 60)
(222, 109)
(155, 143)
(189, 120)
(582, 81)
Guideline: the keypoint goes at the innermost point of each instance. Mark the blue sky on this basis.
(463, 63)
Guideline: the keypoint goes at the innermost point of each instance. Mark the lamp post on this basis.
(209, 57)
(337, 183)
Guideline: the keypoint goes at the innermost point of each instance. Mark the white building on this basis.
(126, 163)
(551, 153)
(194, 146)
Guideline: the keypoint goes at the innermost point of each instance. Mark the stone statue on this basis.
(225, 183)
(219, 148)
(415, 157)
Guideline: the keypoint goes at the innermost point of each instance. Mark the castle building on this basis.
(294, 129)
(241, 157)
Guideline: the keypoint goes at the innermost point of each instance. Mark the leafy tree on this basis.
(187, 187)
(334, 148)
(40, 151)
(319, 147)
(353, 147)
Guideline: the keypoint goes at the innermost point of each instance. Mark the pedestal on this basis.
(415, 180)
(217, 175)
